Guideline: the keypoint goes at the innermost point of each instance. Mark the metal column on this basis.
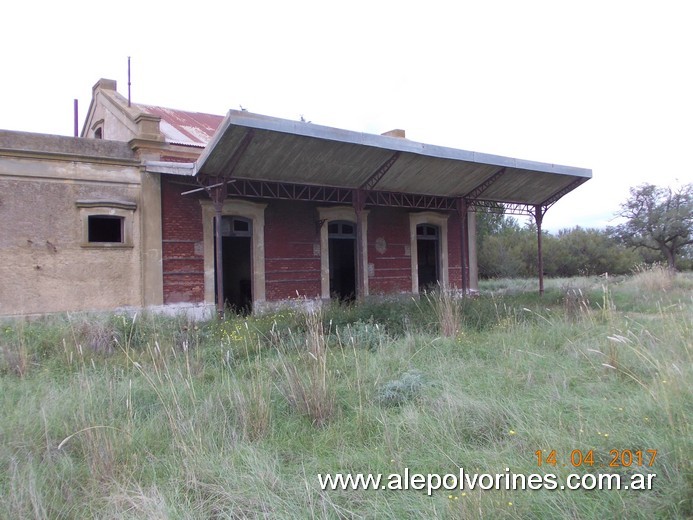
(538, 217)
(218, 196)
(464, 243)
(359, 202)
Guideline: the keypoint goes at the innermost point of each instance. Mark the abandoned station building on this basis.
(171, 210)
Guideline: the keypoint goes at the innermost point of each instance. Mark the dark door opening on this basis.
(427, 255)
(342, 253)
(236, 250)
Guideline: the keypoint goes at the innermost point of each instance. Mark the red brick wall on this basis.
(292, 248)
(182, 250)
(388, 230)
(292, 267)
(389, 227)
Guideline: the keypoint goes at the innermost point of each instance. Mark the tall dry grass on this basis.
(652, 278)
(446, 305)
(252, 402)
(307, 381)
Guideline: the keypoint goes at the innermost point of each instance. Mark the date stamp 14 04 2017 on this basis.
(579, 458)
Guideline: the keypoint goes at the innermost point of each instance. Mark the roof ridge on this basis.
(183, 126)
(160, 107)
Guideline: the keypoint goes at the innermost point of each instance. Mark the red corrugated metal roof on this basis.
(186, 128)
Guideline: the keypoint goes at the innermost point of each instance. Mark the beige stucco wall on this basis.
(45, 264)
(151, 232)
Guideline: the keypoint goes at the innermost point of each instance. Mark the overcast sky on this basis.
(599, 84)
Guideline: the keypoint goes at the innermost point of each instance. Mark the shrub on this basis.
(369, 336)
(407, 388)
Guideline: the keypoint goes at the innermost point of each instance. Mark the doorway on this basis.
(342, 259)
(427, 247)
(236, 250)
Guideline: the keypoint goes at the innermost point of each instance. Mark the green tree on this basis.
(658, 218)
(580, 251)
(488, 223)
(497, 246)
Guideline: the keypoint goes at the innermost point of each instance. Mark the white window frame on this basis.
(252, 211)
(346, 213)
(106, 208)
(434, 219)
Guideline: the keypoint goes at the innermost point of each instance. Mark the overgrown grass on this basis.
(146, 417)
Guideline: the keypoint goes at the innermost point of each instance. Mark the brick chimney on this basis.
(397, 132)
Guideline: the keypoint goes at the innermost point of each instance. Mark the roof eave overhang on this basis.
(279, 143)
(170, 168)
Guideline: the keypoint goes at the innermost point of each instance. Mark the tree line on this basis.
(657, 227)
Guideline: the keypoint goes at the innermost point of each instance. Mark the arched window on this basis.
(97, 129)
(237, 262)
(243, 234)
(342, 257)
(341, 229)
(338, 236)
(428, 231)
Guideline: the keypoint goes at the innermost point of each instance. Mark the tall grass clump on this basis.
(444, 300)
(652, 278)
(307, 381)
(251, 402)
(576, 304)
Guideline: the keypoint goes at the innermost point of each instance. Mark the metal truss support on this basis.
(554, 198)
(411, 201)
(507, 208)
(474, 194)
(380, 172)
(287, 191)
(310, 193)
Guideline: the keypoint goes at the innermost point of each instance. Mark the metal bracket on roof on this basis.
(204, 187)
(507, 208)
(380, 172)
(216, 184)
(409, 200)
(319, 224)
(473, 194)
(563, 191)
(289, 191)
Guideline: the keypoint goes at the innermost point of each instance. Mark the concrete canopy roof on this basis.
(261, 148)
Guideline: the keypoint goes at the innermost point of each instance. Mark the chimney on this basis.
(397, 132)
